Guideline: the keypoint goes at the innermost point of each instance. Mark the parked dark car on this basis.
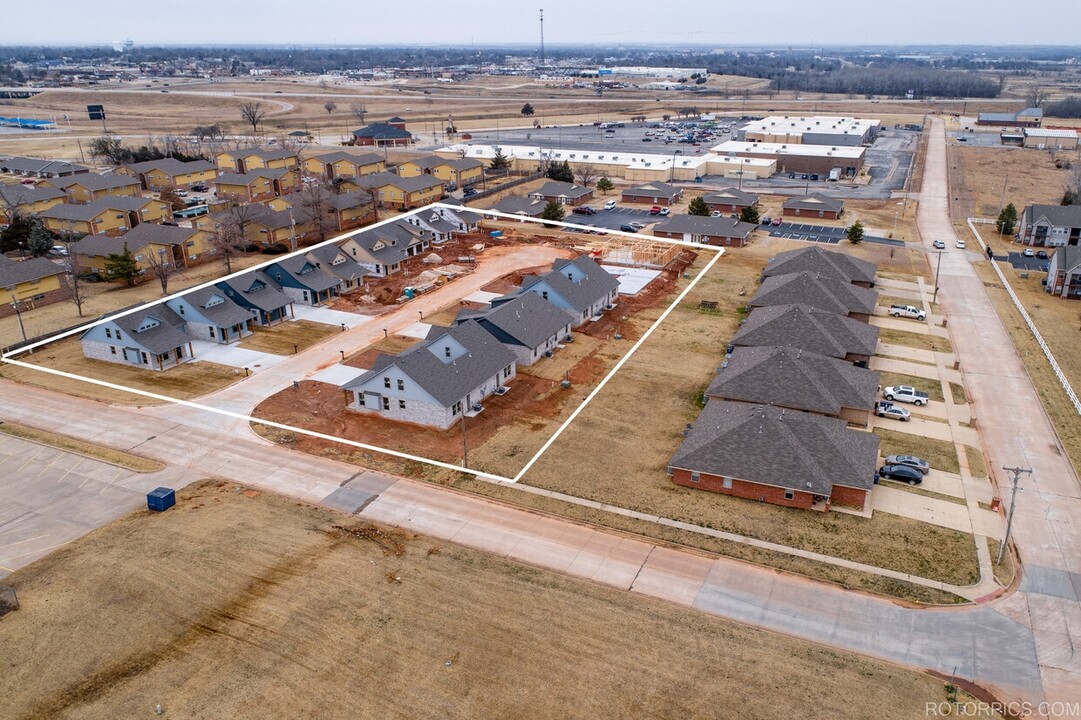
(584, 210)
(469, 192)
(1042, 254)
(628, 228)
(199, 187)
(766, 220)
(901, 473)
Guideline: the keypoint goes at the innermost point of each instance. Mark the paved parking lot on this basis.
(612, 219)
(593, 137)
(822, 234)
(1020, 262)
(49, 498)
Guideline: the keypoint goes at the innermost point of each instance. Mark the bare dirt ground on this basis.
(201, 610)
(511, 428)
(983, 180)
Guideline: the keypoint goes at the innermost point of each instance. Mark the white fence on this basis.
(1024, 314)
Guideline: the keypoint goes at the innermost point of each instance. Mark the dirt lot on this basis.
(185, 382)
(978, 176)
(202, 611)
(512, 428)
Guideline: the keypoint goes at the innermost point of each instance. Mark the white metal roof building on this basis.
(814, 130)
(1050, 139)
(798, 157)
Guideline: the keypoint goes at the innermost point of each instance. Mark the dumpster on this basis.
(160, 499)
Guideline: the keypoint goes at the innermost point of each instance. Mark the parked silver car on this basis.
(911, 461)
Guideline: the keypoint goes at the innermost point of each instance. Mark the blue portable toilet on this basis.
(160, 499)
(408, 292)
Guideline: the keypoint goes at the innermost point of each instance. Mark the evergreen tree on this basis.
(749, 214)
(1006, 220)
(605, 185)
(122, 266)
(40, 241)
(855, 233)
(552, 211)
(698, 207)
(18, 231)
(499, 160)
(527, 109)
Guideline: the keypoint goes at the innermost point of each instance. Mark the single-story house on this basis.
(392, 190)
(31, 283)
(28, 200)
(249, 159)
(344, 165)
(653, 193)
(1064, 273)
(529, 326)
(563, 193)
(382, 250)
(210, 315)
(793, 378)
(819, 291)
(437, 382)
(170, 172)
(38, 167)
(729, 200)
(382, 135)
(152, 337)
(518, 205)
(813, 206)
(580, 286)
(457, 172)
(1050, 225)
(829, 263)
(808, 328)
(260, 295)
(705, 229)
(775, 455)
(304, 279)
(88, 187)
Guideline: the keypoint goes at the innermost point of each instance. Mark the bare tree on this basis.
(323, 84)
(330, 106)
(1036, 97)
(586, 173)
(461, 151)
(161, 267)
(314, 203)
(1072, 193)
(72, 265)
(232, 232)
(253, 113)
(359, 111)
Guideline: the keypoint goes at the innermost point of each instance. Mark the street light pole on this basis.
(938, 268)
(1015, 473)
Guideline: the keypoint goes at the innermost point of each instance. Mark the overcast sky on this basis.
(464, 22)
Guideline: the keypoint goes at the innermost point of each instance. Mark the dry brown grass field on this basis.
(288, 338)
(978, 176)
(200, 610)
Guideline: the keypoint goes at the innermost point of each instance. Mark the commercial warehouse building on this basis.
(814, 130)
(797, 157)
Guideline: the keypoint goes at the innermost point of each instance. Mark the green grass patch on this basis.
(933, 388)
(940, 454)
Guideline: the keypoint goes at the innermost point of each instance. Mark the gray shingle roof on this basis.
(1067, 258)
(793, 378)
(306, 272)
(65, 211)
(25, 195)
(224, 314)
(807, 288)
(408, 184)
(1061, 216)
(802, 326)
(518, 205)
(706, 225)
(349, 269)
(94, 182)
(528, 320)
(556, 188)
(13, 273)
(581, 295)
(395, 238)
(814, 201)
(39, 165)
(248, 177)
(162, 338)
(256, 288)
(348, 200)
(447, 382)
(778, 447)
(362, 159)
(172, 166)
(825, 262)
(655, 189)
(137, 238)
(730, 196)
(382, 131)
(265, 154)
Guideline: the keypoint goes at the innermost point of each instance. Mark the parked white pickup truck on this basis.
(907, 311)
(904, 393)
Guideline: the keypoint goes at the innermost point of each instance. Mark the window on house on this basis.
(821, 213)
(360, 399)
(456, 408)
(506, 371)
(212, 334)
(112, 349)
(386, 383)
(446, 351)
(386, 403)
(789, 494)
(401, 404)
(108, 333)
(544, 294)
(118, 335)
(727, 483)
(401, 384)
(181, 307)
(695, 477)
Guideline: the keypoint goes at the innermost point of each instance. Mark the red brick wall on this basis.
(645, 199)
(851, 497)
(810, 214)
(725, 208)
(743, 489)
(710, 240)
(52, 296)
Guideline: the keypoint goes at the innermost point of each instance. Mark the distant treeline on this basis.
(1068, 108)
(894, 82)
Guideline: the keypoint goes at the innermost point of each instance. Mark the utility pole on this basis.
(938, 269)
(22, 330)
(1015, 473)
(465, 446)
(542, 38)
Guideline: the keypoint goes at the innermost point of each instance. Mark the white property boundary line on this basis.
(1028, 320)
(9, 356)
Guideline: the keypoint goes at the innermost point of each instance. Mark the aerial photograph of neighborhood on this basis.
(485, 360)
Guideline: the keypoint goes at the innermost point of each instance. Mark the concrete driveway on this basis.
(327, 316)
(234, 356)
(49, 497)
